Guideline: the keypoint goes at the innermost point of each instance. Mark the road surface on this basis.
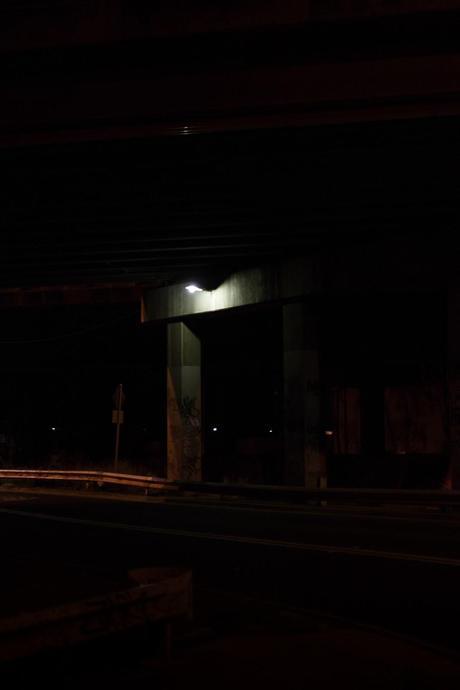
(398, 571)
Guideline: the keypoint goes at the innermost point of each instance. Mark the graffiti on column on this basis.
(191, 421)
(174, 421)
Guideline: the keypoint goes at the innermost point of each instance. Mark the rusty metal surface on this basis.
(89, 476)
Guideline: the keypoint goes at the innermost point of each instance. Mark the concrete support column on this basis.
(453, 384)
(183, 403)
(304, 458)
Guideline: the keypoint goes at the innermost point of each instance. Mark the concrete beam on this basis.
(244, 288)
(381, 266)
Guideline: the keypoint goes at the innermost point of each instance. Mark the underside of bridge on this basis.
(295, 161)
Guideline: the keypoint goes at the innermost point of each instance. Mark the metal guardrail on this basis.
(292, 494)
(91, 477)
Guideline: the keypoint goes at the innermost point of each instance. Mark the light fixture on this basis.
(53, 428)
(214, 428)
(193, 288)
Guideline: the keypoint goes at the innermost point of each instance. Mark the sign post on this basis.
(118, 418)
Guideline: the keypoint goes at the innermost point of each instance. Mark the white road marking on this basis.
(236, 539)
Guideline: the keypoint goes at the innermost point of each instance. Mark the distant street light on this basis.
(193, 288)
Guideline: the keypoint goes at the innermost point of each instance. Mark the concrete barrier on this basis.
(158, 596)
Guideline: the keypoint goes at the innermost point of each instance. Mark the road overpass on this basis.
(299, 163)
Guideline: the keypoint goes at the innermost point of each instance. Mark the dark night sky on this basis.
(60, 367)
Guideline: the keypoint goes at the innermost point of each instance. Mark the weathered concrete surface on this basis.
(385, 266)
(305, 462)
(184, 403)
(253, 286)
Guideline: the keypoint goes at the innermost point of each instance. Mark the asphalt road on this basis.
(396, 570)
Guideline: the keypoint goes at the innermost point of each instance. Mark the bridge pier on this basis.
(304, 459)
(184, 427)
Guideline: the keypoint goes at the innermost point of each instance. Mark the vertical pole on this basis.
(453, 386)
(168, 642)
(117, 434)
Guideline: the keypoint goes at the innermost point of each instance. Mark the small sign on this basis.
(118, 416)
